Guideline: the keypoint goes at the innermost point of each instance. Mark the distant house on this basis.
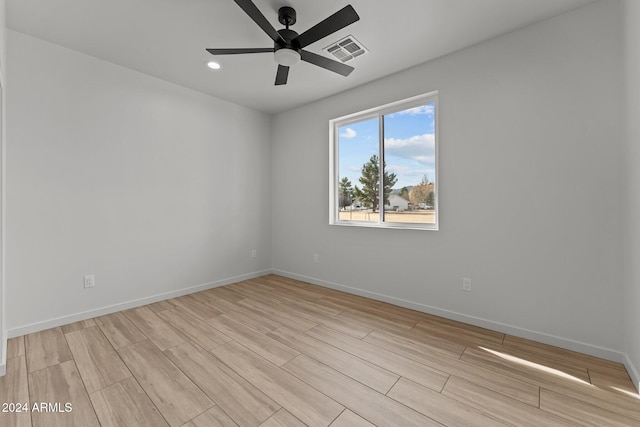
(396, 202)
(355, 205)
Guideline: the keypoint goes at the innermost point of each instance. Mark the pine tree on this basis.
(370, 180)
(345, 191)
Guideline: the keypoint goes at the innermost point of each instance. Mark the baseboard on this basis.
(566, 343)
(64, 320)
(633, 372)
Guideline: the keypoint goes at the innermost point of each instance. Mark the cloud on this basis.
(420, 148)
(421, 110)
(409, 171)
(348, 133)
(408, 176)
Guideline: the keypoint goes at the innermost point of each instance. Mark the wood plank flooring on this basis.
(275, 352)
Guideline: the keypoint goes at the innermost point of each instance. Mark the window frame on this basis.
(334, 156)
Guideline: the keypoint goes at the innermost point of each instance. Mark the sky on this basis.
(409, 142)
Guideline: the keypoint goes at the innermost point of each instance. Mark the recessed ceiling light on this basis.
(213, 65)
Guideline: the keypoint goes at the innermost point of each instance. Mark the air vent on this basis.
(346, 49)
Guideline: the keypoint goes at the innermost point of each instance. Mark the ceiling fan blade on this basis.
(327, 63)
(282, 75)
(345, 16)
(254, 13)
(234, 51)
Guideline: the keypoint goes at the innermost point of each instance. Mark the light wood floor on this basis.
(276, 352)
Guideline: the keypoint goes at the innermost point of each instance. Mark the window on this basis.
(383, 166)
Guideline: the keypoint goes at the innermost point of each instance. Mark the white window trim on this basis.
(378, 112)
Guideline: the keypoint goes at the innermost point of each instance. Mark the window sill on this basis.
(388, 225)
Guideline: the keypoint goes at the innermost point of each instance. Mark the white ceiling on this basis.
(167, 38)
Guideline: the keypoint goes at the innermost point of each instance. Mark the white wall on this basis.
(530, 178)
(631, 13)
(151, 187)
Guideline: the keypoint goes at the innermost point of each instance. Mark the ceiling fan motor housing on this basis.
(287, 17)
(289, 42)
(287, 52)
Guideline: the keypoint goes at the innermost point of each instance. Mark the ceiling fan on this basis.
(289, 46)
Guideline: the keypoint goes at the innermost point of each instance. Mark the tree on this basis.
(370, 180)
(404, 193)
(420, 193)
(344, 192)
(431, 200)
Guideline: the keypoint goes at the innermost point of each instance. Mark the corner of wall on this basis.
(3, 347)
(630, 12)
(633, 372)
(3, 330)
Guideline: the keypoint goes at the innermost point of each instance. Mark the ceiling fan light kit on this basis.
(286, 57)
(289, 46)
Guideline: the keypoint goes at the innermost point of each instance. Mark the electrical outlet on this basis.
(254, 253)
(316, 259)
(466, 284)
(89, 281)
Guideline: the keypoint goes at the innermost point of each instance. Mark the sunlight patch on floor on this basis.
(534, 365)
(627, 392)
